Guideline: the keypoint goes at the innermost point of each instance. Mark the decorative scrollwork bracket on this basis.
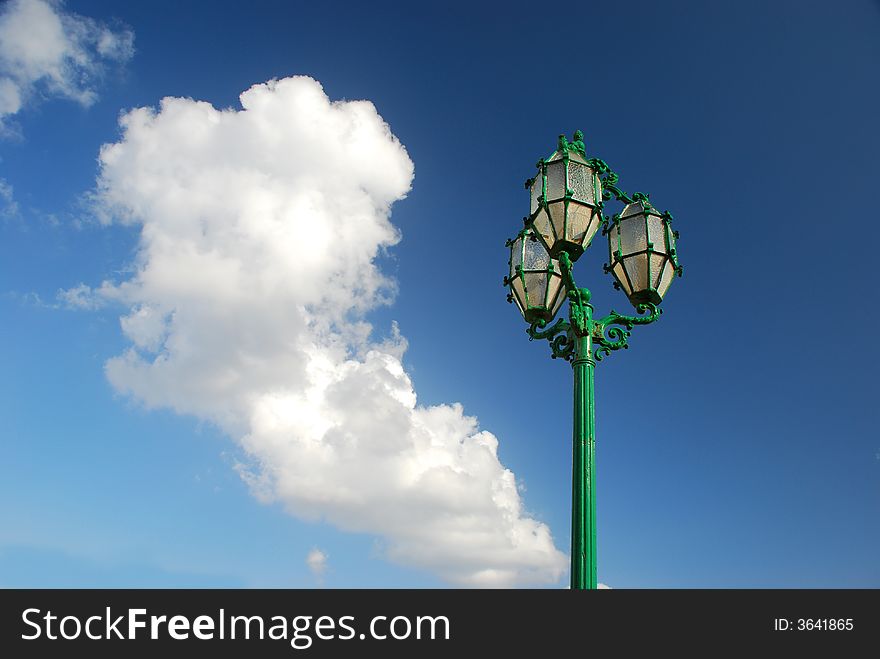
(612, 332)
(560, 336)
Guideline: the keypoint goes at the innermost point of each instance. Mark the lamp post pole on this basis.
(583, 472)
(567, 201)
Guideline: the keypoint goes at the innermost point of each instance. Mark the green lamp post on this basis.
(568, 197)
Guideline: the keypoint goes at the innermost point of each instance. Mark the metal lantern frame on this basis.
(582, 339)
(535, 280)
(644, 263)
(566, 199)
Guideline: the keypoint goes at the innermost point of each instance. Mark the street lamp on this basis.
(568, 196)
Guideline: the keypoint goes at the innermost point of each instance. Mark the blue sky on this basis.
(737, 441)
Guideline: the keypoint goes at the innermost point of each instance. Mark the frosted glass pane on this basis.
(618, 273)
(632, 234)
(554, 291)
(535, 257)
(637, 268)
(556, 180)
(541, 225)
(666, 279)
(592, 227)
(557, 218)
(656, 267)
(536, 190)
(580, 180)
(518, 294)
(536, 287)
(655, 233)
(631, 209)
(613, 241)
(574, 155)
(578, 220)
(515, 255)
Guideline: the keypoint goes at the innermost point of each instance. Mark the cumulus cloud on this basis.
(317, 562)
(259, 234)
(47, 51)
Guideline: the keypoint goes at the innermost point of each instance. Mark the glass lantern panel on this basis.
(535, 257)
(621, 277)
(557, 218)
(536, 287)
(536, 191)
(516, 287)
(633, 236)
(666, 278)
(656, 234)
(656, 267)
(613, 241)
(574, 155)
(518, 305)
(556, 180)
(580, 180)
(634, 208)
(541, 225)
(578, 222)
(554, 290)
(515, 255)
(593, 226)
(637, 269)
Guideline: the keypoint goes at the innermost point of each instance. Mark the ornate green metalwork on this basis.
(576, 146)
(558, 334)
(583, 341)
(609, 333)
(609, 184)
(610, 338)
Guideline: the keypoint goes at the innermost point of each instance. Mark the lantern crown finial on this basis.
(578, 144)
(563, 146)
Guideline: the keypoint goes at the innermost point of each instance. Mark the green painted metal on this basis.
(584, 341)
(583, 474)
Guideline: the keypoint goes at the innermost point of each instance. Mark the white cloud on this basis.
(8, 205)
(45, 50)
(259, 231)
(317, 562)
(80, 297)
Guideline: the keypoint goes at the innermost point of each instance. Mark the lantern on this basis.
(566, 200)
(535, 279)
(641, 244)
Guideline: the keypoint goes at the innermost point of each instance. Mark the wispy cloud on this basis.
(259, 232)
(80, 297)
(317, 562)
(46, 51)
(8, 205)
